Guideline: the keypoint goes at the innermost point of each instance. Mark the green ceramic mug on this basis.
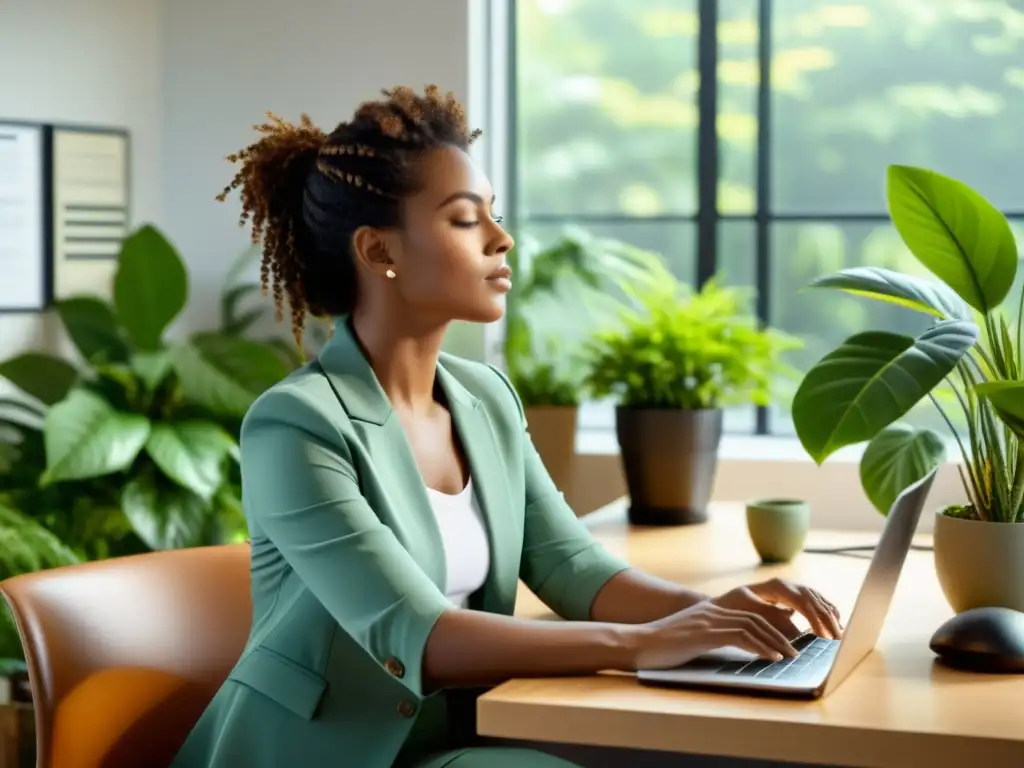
(778, 528)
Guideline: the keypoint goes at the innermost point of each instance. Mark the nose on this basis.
(503, 242)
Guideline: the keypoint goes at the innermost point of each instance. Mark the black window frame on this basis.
(707, 218)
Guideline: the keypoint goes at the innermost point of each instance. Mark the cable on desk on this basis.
(859, 551)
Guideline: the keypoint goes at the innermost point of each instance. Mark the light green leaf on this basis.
(92, 326)
(192, 454)
(226, 374)
(896, 458)
(917, 293)
(85, 437)
(871, 380)
(152, 367)
(1007, 399)
(165, 518)
(44, 377)
(150, 287)
(955, 232)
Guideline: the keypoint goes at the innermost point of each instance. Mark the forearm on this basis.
(634, 597)
(478, 648)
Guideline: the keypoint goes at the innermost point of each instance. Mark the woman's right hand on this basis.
(681, 637)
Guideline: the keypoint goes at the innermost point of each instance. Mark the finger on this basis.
(761, 628)
(801, 599)
(779, 616)
(737, 638)
(829, 614)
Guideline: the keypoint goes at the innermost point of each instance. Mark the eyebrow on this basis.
(473, 197)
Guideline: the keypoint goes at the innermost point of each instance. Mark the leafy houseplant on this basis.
(563, 288)
(860, 391)
(673, 363)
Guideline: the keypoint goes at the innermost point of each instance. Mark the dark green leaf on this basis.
(871, 380)
(896, 458)
(150, 287)
(165, 518)
(1007, 399)
(86, 437)
(917, 293)
(44, 377)
(192, 454)
(954, 232)
(226, 374)
(92, 326)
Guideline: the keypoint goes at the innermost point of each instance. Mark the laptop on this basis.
(822, 665)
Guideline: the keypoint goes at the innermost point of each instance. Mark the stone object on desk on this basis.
(982, 640)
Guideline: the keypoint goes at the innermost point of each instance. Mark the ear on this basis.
(370, 249)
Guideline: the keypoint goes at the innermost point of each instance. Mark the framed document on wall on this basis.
(24, 218)
(90, 180)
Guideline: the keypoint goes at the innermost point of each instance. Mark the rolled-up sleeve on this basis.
(562, 563)
(303, 495)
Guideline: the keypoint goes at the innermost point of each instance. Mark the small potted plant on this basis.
(566, 288)
(673, 363)
(861, 390)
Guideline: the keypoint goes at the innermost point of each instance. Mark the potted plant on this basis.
(566, 288)
(861, 390)
(673, 363)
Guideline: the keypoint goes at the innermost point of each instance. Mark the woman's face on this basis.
(449, 255)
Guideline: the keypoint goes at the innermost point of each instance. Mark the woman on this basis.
(392, 492)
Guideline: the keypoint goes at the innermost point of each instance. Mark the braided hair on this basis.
(305, 193)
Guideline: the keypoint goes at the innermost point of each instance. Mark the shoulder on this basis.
(486, 383)
(302, 400)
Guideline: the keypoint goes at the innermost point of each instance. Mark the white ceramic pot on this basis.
(980, 564)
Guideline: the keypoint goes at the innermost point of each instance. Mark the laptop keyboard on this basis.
(816, 654)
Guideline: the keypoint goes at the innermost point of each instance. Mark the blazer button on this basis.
(406, 708)
(395, 667)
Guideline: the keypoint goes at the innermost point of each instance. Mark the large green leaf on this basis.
(150, 287)
(44, 377)
(955, 232)
(85, 437)
(917, 293)
(1007, 398)
(896, 458)
(165, 518)
(192, 454)
(871, 380)
(226, 373)
(92, 326)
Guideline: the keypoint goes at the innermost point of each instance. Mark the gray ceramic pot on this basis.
(980, 564)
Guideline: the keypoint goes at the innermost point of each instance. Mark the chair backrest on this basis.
(124, 654)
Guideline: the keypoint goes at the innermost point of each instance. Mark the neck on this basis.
(403, 357)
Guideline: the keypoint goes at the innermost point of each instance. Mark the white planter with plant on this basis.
(673, 364)
(861, 390)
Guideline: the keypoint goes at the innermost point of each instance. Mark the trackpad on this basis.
(720, 656)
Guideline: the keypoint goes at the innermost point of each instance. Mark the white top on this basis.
(466, 548)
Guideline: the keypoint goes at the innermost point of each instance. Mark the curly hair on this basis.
(304, 192)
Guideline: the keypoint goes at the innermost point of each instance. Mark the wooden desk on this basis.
(896, 709)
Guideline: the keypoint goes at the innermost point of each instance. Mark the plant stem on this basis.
(1020, 325)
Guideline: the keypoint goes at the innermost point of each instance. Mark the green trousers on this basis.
(493, 757)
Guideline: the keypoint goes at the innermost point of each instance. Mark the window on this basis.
(749, 139)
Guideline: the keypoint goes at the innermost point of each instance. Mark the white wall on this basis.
(227, 62)
(189, 78)
(84, 61)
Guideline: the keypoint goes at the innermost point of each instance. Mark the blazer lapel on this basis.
(490, 482)
(392, 474)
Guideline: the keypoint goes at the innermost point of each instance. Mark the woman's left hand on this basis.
(777, 599)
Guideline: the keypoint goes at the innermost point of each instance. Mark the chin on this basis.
(491, 312)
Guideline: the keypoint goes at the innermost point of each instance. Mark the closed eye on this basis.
(469, 224)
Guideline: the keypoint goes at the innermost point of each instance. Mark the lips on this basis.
(504, 272)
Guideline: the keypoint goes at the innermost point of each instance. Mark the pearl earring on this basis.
(390, 274)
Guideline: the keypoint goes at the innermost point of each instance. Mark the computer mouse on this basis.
(982, 640)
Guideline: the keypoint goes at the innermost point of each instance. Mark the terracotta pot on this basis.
(553, 430)
(670, 459)
(979, 564)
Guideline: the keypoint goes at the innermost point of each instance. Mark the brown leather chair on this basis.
(125, 654)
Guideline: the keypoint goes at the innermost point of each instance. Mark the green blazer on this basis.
(348, 568)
